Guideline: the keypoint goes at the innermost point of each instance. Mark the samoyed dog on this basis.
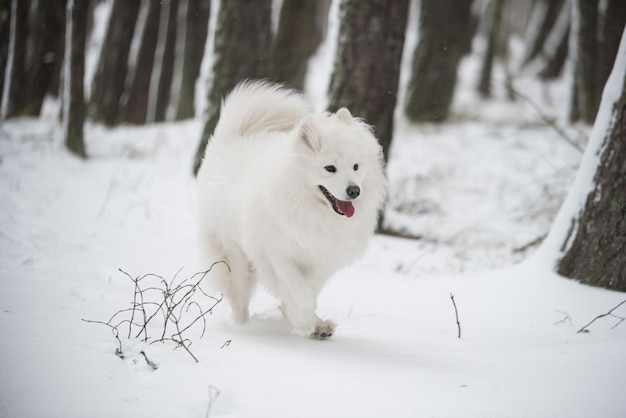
(285, 199)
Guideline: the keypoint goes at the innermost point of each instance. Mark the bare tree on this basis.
(367, 64)
(5, 33)
(196, 28)
(14, 75)
(242, 48)
(495, 38)
(134, 106)
(163, 70)
(301, 29)
(74, 74)
(436, 58)
(543, 18)
(596, 34)
(110, 77)
(556, 47)
(44, 57)
(595, 248)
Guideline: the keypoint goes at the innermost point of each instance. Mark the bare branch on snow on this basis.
(609, 313)
(456, 313)
(170, 308)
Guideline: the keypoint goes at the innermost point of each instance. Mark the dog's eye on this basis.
(356, 167)
(330, 168)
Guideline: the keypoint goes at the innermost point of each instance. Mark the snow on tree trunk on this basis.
(74, 72)
(588, 237)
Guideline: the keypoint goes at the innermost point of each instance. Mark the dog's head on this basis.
(343, 162)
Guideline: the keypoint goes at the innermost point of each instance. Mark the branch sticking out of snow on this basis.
(609, 313)
(456, 313)
(155, 297)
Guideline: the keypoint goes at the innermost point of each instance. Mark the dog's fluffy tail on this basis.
(256, 106)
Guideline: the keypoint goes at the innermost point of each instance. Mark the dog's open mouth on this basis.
(339, 206)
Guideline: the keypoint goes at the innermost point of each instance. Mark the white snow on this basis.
(489, 181)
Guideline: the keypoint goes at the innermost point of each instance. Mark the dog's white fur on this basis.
(261, 209)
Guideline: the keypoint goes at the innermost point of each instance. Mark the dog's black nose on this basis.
(353, 191)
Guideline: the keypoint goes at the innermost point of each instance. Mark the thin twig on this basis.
(565, 319)
(116, 335)
(150, 363)
(173, 302)
(456, 313)
(213, 394)
(609, 313)
(547, 120)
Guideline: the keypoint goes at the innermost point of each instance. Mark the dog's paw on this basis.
(323, 330)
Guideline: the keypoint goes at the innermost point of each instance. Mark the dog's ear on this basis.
(344, 115)
(308, 135)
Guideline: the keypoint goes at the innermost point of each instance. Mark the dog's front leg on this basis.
(298, 295)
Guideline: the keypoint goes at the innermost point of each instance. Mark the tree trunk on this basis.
(135, 108)
(494, 34)
(301, 30)
(611, 26)
(74, 76)
(164, 62)
(5, 33)
(45, 55)
(587, 54)
(436, 59)
(555, 50)
(110, 77)
(196, 28)
(242, 50)
(544, 16)
(367, 63)
(14, 76)
(595, 248)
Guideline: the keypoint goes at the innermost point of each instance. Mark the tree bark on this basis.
(493, 38)
(110, 77)
(74, 97)
(611, 27)
(164, 62)
(242, 51)
(301, 30)
(45, 56)
(596, 245)
(14, 76)
(556, 47)
(198, 12)
(544, 15)
(367, 63)
(5, 33)
(135, 108)
(436, 59)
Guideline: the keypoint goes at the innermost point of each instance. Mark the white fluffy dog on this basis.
(286, 198)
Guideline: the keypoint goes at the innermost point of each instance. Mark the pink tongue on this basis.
(345, 207)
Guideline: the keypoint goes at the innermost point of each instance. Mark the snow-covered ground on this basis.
(476, 191)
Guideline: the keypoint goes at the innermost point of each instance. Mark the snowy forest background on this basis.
(502, 153)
